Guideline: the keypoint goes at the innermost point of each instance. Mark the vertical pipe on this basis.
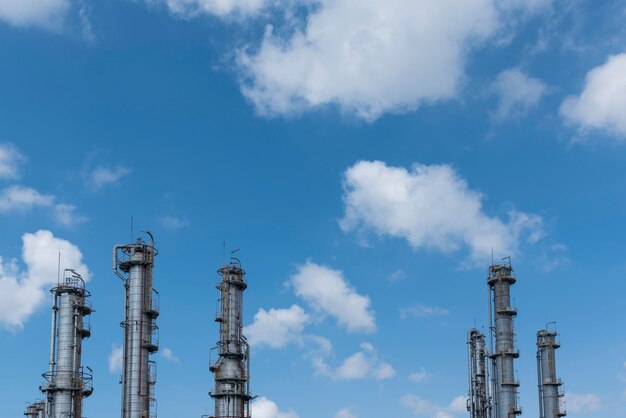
(549, 384)
(504, 383)
(478, 402)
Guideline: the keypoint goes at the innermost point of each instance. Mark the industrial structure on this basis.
(550, 395)
(232, 367)
(479, 402)
(67, 381)
(503, 354)
(134, 264)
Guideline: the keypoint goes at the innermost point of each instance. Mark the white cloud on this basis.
(173, 223)
(277, 327)
(396, 276)
(360, 365)
(265, 408)
(371, 57)
(577, 402)
(423, 408)
(10, 160)
(602, 102)
(222, 8)
(345, 413)
(326, 290)
(22, 199)
(102, 176)
(432, 207)
(422, 311)
(116, 359)
(419, 376)
(43, 13)
(24, 291)
(168, 354)
(517, 93)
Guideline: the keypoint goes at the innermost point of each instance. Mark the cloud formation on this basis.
(362, 364)
(265, 408)
(517, 93)
(371, 57)
(22, 199)
(47, 14)
(422, 311)
(277, 327)
(24, 291)
(327, 291)
(423, 408)
(168, 355)
(221, 8)
(103, 176)
(345, 413)
(582, 402)
(602, 101)
(10, 160)
(116, 359)
(431, 207)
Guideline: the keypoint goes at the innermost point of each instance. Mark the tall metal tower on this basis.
(67, 381)
(501, 314)
(550, 395)
(36, 410)
(478, 404)
(134, 264)
(232, 368)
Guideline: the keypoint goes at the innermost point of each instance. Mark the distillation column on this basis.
(478, 403)
(549, 385)
(67, 382)
(36, 410)
(232, 369)
(134, 264)
(501, 314)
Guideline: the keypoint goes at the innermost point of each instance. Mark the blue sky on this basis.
(366, 156)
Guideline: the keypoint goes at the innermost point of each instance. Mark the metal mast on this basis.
(550, 394)
(134, 264)
(478, 403)
(67, 381)
(504, 389)
(232, 368)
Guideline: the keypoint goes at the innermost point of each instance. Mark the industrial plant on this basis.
(493, 383)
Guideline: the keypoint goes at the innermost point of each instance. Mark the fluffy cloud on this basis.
(577, 402)
(371, 57)
(43, 13)
(277, 327)
(360, 365)
(422, 311)
(423, 408)
(116, 359)
(345, 413)
(602, 102)
(10, 160)
(419, 376)
(222, 8)
(173, 223)
(517, 93)
(102, 176)
(265, 408)
(168, 355)
(327, 291)
(23, 291)
(430, 206)
(22, 199)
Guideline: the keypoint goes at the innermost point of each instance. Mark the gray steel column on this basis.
(231, 371)
(504, 384)
(134, 263)
(67, 382)
(35, 410)
(549, 385)
(478, 403)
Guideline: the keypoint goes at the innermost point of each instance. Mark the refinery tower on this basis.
(67, 382)
(134, 264)
(232, 368)
(550, 395)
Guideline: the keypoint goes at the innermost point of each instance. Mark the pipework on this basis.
(478, 402)
(550, 395)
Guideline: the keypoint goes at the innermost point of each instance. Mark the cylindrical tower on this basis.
(550, 394)
(478, 403)
(232, 368)
(67, 382)
(134, 264)
(36, 410)
(504, 384)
